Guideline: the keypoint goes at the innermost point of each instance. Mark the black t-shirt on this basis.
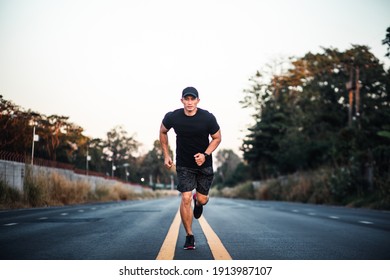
(192, 135)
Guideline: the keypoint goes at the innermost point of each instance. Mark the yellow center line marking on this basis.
(217, 249)
(167, 251)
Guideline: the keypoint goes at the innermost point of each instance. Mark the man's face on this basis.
(190, 103)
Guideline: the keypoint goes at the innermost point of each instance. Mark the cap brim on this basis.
(191, 94)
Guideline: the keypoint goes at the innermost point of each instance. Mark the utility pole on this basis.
(353, 88)
(350, 87)
(32, 149)
(357, 92)
(357, 95)
(35, 138)
(87, 159)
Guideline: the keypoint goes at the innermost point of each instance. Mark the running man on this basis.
(194, 164)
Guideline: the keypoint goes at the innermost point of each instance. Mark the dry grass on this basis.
(60, 191)
(244, 190)
(42, 188)
(9, 197)
(114, 193)
(306, 187)
(300, 187)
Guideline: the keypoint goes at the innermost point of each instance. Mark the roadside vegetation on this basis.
(316, 187)
(53, 189)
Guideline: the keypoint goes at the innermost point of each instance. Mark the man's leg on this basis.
(186, 211)
(186, 183)
(201, 199)
(204, 181)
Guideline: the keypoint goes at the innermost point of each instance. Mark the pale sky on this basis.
(109, 63)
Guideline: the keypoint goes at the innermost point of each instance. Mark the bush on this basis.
(323, 186)
(9, 197)
(63, 191)
(33, 192)
(114, 193)
(244, 190)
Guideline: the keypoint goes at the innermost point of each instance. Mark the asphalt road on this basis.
(249, 230)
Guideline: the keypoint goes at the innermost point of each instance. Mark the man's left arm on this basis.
(200, 158)
(216, 140)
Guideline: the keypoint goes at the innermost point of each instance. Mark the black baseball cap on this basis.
(190, 91)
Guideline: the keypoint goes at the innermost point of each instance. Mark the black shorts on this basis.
(190, 179)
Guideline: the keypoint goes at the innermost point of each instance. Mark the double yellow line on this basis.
(167, 251)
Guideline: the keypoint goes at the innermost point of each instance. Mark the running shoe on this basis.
(198, 209)
(190, 243)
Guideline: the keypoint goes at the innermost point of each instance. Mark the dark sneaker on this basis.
(190, 243)
(198, 209)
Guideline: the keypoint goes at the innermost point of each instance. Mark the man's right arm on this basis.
(164, 146)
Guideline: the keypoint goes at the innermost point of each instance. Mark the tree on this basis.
(119, 150)
(94, 149)
(306, 117)
(152, 167)
(386, 41)
(58, 138)
(73, 146)
(15, 127)
(231, 170)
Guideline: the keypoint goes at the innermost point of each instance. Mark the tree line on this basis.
(63, 141)
(329, 109)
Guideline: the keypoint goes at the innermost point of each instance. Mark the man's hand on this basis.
(168, 162)
(199, 159)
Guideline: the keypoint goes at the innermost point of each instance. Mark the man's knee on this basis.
(186, 198)
(202, 199)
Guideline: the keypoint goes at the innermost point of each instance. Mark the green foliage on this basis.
(231, 170)
(384, 134)
(152, 166)
(118, 152)
(240, 174)
(342, 183)
(303, 121)
(386, 41)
